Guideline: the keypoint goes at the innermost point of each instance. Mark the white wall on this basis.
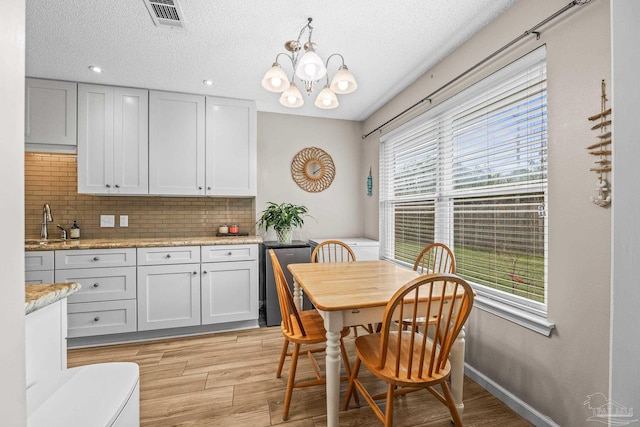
(336, 211)
(12, 373)
(553, 375)
(625, 345)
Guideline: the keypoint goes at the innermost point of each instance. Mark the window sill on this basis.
(534, 322)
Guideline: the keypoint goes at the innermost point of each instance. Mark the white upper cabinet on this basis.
(231, 147)
(50, 113)
(135, 141)
(112, 140)
(176, 144)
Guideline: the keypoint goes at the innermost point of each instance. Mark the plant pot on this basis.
(284, 235)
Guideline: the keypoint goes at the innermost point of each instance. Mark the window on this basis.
(472, 173)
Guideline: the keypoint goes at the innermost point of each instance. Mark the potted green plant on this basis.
(282, 218)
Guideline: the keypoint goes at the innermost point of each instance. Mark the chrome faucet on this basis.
(46, 217)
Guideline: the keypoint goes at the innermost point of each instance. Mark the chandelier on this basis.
(309, 68)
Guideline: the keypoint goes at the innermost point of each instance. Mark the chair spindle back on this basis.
(288, 309)
(435, 258)
(333, 251)
(446, 298)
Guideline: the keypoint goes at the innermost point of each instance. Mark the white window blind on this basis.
(472, 173)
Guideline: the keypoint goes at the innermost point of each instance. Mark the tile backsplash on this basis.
(52, 178)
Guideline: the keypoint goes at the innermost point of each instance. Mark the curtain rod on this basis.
(491, 56)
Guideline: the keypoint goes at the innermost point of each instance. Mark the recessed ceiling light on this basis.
(95, 69)
(208, 82)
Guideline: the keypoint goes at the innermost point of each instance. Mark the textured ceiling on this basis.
(386, 44)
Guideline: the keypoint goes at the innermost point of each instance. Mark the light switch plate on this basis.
(124, 220)
(107, 220)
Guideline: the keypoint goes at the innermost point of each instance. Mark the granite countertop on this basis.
(40, 296)
(56, 244)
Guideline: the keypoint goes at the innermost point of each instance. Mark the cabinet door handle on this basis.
(108, 185)
(195, 272)
(95, 258)
(208, 188)
(204, 272)
(229, 253)
(95, 285)
(117, 186)
(168, 255)
(199, 188)
(96, 319)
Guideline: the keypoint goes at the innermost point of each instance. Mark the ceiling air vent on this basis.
(165, 13)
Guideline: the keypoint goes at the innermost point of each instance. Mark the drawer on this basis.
(38, 277)
(169, 255)
(101, 318)
(222, 253)
(93, 258)
(100, 284)
(38, 260)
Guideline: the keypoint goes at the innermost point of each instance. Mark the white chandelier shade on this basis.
(327, 99)
(291, 97)
(309, 68)
(275, 79)
(343, 81)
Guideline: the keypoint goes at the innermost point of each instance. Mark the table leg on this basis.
(297, 295)
(333, 323)
(456, 357)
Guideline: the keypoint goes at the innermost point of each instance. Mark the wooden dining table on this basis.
(356, 293)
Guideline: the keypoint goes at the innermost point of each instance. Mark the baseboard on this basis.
(129, 337)
(519, 406)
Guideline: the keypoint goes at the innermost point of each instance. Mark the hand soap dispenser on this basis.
(75, 230)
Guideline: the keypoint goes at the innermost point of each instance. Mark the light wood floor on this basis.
(228, 379)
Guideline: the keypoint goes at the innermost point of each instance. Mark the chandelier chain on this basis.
(310, 30)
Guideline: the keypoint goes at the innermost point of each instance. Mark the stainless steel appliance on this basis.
(296, 252)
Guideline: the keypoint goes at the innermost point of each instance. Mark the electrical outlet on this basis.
(107, 220)
(124, 220)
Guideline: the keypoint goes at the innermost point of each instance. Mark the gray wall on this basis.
(12, 374)
(553, 375)
(336, 211)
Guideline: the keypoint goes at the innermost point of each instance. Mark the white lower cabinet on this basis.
(94, 258)
(106, 301)
(38, 277)
(100, 284)
(229, 291)
(129, 290)
(168, 287)
(38, 266)
(101, 318)
(168, 296)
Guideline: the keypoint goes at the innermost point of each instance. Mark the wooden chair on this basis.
(336, 251)
(406, 359)
(434, 259)
(302, 328)
(332, 251)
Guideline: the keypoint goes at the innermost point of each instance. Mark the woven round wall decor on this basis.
(313, 169)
